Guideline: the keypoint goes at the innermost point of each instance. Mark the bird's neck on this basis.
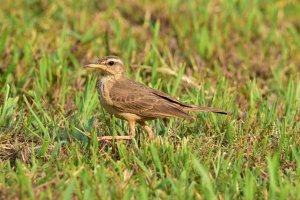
(112, 77)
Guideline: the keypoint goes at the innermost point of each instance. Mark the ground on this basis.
(241, 56)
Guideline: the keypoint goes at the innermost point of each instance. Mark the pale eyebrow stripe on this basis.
(115, 60)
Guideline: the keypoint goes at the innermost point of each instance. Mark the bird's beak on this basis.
(95, 66)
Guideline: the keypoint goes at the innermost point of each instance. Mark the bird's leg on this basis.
(131, 128)
(121, 137)
(118, 137)
(148, 129)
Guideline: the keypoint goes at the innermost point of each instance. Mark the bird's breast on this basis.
(104, 85)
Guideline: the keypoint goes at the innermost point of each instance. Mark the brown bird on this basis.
(134, 102)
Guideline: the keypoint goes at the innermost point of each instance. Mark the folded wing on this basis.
(142, 100)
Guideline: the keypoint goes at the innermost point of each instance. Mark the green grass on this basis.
(241, 56)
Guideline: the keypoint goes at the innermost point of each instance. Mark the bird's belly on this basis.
(129, 116)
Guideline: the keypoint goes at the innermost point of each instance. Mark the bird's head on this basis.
(109, 65)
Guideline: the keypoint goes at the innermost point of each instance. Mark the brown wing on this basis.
(186, 107)
(132, 97)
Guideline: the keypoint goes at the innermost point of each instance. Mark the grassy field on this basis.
(241, 56)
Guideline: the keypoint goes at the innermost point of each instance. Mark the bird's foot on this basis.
(121, 137)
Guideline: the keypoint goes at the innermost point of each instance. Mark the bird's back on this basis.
(132, 97)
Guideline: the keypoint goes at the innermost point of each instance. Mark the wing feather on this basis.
(132, 97)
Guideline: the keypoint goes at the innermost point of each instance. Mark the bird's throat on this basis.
(117, 76)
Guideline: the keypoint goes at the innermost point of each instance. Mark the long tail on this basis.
(204, 109)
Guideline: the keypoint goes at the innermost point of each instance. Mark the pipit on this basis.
(135, 102)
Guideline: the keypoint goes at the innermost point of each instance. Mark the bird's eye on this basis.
(111, 63)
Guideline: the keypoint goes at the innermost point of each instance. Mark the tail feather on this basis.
(204, 109)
